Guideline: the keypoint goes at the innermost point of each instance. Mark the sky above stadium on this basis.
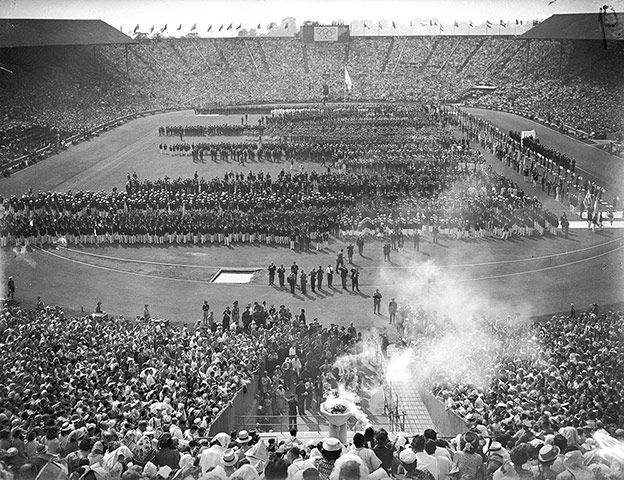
(250, 13)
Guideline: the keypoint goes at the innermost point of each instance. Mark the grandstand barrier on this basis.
(227, 419)
(447, 423)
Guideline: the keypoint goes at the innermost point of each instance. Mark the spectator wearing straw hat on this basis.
(229, 461)
(242, 442)
(546, 457)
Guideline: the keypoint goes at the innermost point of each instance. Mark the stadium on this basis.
(336, 250)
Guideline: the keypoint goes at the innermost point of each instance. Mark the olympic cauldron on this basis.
(337, 411)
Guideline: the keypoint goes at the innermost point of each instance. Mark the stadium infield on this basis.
(530, 277)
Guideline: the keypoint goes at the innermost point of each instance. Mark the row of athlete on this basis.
(298, 277)
(240, 152)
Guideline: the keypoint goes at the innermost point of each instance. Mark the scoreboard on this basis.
(325, 33)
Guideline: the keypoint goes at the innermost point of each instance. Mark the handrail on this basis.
(202, 56)
(280, 423)
(252, 58)
(399, 57)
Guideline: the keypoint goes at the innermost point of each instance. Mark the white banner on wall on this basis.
(325, 34)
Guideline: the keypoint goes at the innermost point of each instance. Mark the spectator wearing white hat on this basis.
(495, 458)
(230, 461)
(546, 457)
(331, 450)
(212, 456)
(242, 442)
(409, 462)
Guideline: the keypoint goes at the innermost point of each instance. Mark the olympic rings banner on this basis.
(325, 34)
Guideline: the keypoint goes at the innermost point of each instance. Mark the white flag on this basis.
(527, 134)
(348, 82)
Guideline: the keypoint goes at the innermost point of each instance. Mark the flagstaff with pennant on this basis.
(348, 83)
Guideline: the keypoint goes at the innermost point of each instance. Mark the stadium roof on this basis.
(578, 26)
(27, 32)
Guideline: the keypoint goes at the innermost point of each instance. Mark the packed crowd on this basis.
(568, 357)
(112, 449)
(113, 382)
(551, 389)
(163, 74)
(21, 140)
(524, 378)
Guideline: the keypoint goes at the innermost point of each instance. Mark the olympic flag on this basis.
(348, 80)
(325, 34)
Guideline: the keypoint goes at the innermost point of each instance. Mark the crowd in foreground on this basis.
(127, 451)
(567, 372)
(108, 398)
(113, 379)
(556, 382)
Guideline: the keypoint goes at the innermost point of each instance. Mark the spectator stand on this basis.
(64, 143)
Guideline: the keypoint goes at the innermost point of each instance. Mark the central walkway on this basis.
(417, 418)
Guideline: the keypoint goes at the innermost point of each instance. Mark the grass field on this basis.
(529, 276)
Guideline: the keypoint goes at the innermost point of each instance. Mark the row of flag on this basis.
(432, 23)
(270, 26)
